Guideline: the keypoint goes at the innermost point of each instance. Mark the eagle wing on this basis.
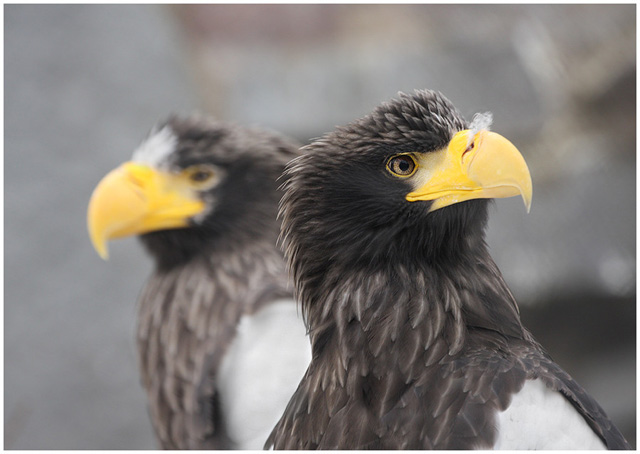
(183, 331)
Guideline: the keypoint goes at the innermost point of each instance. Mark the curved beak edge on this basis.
(492, 168)
(135, 199)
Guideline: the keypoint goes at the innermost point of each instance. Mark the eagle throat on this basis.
(437, 287)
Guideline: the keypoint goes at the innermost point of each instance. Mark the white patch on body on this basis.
(541, 418)
(156, 149)
(261, 370)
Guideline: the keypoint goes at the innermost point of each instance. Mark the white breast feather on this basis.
(261, 371)
(540, 418)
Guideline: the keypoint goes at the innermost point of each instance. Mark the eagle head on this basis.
(194, 183)
(407, 183)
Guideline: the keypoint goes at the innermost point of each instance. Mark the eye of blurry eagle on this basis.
(202, 176)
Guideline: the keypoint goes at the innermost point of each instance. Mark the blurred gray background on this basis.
(84, 84)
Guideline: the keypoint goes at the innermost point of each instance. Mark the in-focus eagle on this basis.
(221, 346)
(417, 341)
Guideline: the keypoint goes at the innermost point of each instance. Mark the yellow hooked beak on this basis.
(135, 199)
(489, 166)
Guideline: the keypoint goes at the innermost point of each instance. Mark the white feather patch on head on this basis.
(480, 122)
(156, 149)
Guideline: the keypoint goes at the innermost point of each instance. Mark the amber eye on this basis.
(201, 176)
(402, 165)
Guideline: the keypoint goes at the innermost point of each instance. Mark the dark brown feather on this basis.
(224, 265)
(417, 341)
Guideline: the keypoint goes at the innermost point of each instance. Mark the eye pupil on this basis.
(200, 175)
(402, 165)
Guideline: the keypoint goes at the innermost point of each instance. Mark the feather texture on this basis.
(211, 280)
(417, 341)
(181, 352)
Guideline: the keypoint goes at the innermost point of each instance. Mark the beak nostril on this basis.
(134, 179)
(136, 174)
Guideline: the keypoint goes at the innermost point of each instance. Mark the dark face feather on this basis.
(241, 205)
(384, 284)
(341, 203)
(417, 341)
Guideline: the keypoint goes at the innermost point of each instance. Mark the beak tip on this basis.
(527, 203)
(101, 248)
(98, 241)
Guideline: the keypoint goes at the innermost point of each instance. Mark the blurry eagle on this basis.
(221, 345)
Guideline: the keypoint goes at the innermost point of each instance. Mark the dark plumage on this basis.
(416, 339)
(221, 348)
